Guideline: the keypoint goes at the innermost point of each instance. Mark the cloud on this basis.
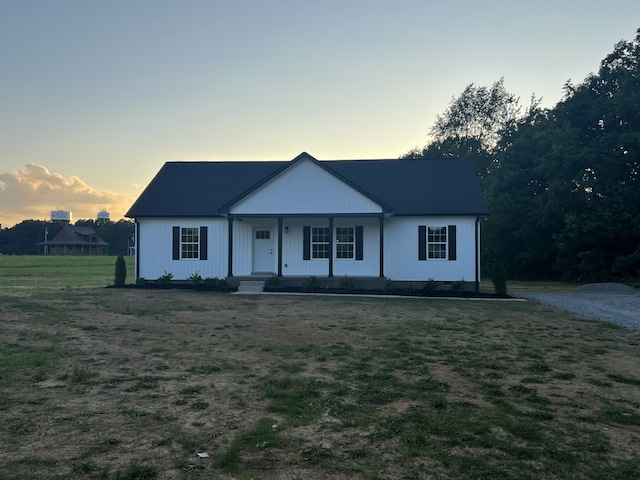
(32, 193)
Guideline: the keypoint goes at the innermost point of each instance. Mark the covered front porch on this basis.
(293, 246)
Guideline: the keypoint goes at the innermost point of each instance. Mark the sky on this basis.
(95, 96)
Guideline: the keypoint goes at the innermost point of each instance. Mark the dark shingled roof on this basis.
(69, 235)
(432, 186)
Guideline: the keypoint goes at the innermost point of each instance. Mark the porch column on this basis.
(331, 237)
(137, 249)
(230, 249)
(477, 235)
(279, 246)
(381, 245)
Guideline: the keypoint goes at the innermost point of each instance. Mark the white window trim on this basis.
(185, 243)
(352, 243)
(313, 256)
(445, 243)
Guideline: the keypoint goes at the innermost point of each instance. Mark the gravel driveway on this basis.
(610, 302)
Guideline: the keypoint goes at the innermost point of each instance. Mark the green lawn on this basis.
(131, 384)
(57, 271)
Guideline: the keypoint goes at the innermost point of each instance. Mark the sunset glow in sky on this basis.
(95, 96)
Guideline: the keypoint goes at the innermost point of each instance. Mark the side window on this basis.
(189, 243)
(437, 243)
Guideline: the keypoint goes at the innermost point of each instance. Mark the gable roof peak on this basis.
(302, 156)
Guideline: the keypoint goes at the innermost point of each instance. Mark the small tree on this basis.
(499, 278)
(121, 271)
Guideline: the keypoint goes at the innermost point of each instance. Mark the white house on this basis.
(405, 220)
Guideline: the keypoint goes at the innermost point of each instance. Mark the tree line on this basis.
(562, 183)
(23, 238)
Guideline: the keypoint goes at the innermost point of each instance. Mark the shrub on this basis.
(410, 289)
(457, 287)
(499, 278)
(217, 284)
(310, 284)
(347, 284)
(429, 286)
(165, 279)
(195, 278)
(272, 282)
(121, 272)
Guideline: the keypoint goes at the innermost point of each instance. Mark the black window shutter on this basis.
(203, 243)
(176, 243)
(359, 244)
(306, 243)
(422, 242)
(452, 242)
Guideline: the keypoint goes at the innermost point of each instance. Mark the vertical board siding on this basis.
(294, 242)
(242, 237)
(305, 188)
(243, 243)
(369, 266)
(293, 247)
(400, 239)
(156, 248)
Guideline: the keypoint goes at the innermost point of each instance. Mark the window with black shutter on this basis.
(437, 243)
(189, 243)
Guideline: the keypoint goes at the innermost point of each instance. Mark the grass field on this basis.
(55, 271)
(133, 384)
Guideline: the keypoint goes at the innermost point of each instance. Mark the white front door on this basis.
(262, 250)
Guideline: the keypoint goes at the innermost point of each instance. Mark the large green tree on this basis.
(601, 238)
(564, 193)
(472, 126)
(527, 197)
(23, 238)
(562, 184)
(479, 113)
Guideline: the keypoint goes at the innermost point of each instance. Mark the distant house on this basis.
(404, 220)
(75, 241)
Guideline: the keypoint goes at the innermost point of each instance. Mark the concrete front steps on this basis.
(250, 287)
